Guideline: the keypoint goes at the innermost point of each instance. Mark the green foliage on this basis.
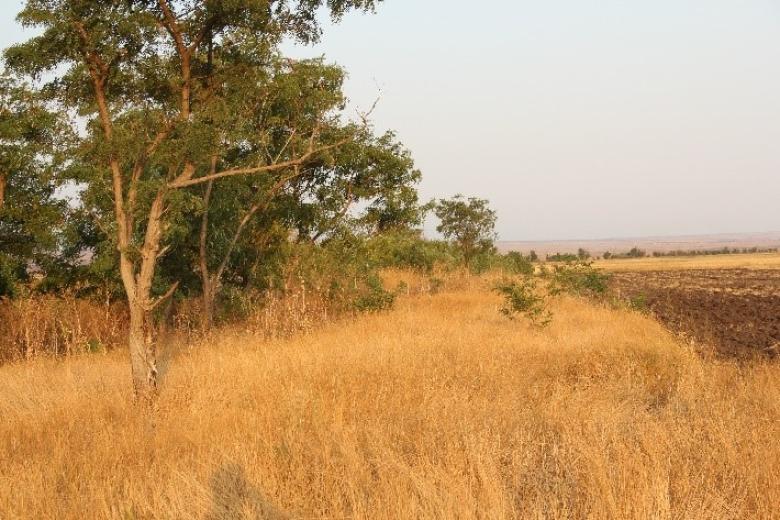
(10, 276)
(31, 142)
(563, 257)
(635, 252)
(579, 278)
(369, 186)
(340, 268)
(408, 249)
(374, 297)
(524, 298)
(94, 346)
(516, 263)
(469, 223)
(246, 107)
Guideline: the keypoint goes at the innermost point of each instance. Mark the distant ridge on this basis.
(661, 244)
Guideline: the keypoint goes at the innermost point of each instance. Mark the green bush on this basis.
(579, 278)
(516, 263)
(407, 249)
(524, 298)
(8, 278)
(562, 257)
(374, 297)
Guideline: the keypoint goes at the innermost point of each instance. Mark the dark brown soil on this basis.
(736, 312)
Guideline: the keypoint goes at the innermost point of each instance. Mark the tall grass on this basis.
(59, 325)
(62, 325)
(441, 408)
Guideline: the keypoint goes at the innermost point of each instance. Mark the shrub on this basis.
(407, 249)
(523, 298)
(375, 297)
(562, 257)
(516, 263)
(579, 278)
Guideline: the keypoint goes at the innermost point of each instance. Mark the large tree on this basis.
(156, 83)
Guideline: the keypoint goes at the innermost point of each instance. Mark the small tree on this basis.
(525, 299)
(469, 223)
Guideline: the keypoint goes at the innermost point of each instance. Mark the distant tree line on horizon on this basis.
(636, 252)
(639, 253)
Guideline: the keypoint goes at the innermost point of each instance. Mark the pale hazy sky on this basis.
(577, 119)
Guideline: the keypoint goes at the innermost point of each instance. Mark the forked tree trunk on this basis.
(142, 335)
(211, 283)
(143, 355)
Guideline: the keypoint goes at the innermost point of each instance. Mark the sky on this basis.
(577, 120)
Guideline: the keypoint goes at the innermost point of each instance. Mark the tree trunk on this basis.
(3, 183)
(209, 299)
(207, 314)
(142, 333)
(143, 355)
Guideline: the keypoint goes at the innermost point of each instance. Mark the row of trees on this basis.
(167, 147)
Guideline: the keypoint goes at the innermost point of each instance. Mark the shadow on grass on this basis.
(233, 497)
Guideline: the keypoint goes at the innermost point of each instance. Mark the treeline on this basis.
(301, 285)
(166, 169)
(640, 253)
(722, 251)
(166, 162)
(636, 252)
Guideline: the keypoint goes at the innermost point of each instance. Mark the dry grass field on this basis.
(676, 263)
(441, 408)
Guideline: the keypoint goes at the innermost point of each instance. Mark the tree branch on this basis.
(164, 297)
(204, 225)
(184, 182)
(132, 192)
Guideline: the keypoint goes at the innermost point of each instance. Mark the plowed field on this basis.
(736, 312)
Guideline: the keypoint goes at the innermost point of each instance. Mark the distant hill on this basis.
(649, 244)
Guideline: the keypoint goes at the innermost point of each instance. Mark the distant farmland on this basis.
(649, 244)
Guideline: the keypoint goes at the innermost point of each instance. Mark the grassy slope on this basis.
(440, 409)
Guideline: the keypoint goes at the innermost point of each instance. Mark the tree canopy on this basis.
(30, 155)
(172, 96)
(469, 223)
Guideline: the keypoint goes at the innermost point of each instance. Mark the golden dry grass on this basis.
(439, 409)
(673, 263)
